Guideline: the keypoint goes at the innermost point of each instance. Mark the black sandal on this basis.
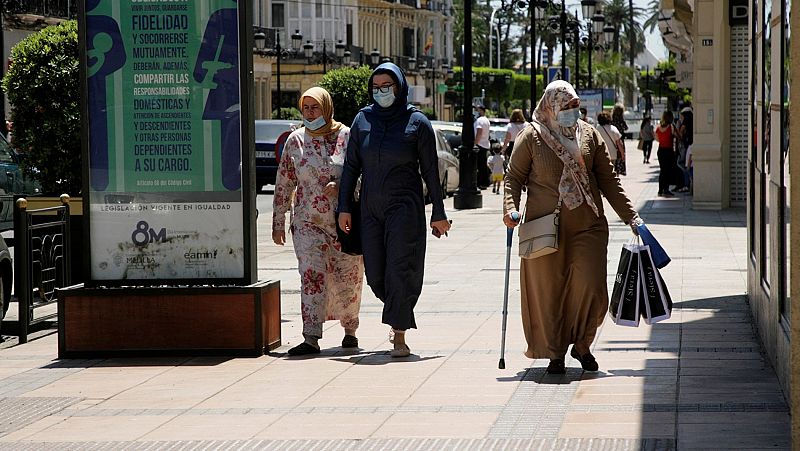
(588, 362)
(349, 341)
(556, 366)
(303, 349)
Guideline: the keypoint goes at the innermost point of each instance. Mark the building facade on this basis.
(416, 35)
(742, 66)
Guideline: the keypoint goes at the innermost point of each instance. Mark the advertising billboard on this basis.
(165, 141)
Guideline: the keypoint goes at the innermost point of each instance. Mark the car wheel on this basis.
(444, 186)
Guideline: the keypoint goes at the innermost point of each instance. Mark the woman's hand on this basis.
(279, 237)
(345, 221)
(331, 189)
(635, 223)
(439, 228)
(509, 220)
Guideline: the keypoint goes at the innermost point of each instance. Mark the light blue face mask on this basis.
(384, 99)
(568, 118)
(316, 124)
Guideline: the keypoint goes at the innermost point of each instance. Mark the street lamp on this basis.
(260, 40)
(658, 76)
(536, 9)
(595, 28)
(375, 57)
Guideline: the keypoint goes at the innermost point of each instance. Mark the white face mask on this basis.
(316, 124)
(568, 118)
(384, 99)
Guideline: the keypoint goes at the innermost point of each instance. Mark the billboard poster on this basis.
(165, 140)
(592, 100)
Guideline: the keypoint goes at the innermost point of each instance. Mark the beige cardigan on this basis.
(534, 165)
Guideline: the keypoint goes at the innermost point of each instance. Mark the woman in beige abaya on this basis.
(564, 294)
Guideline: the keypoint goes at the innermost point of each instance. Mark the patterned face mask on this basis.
(568, 118)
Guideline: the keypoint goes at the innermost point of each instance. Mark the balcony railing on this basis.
(64, 9)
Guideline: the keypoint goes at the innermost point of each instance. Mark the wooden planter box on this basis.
(111, 322)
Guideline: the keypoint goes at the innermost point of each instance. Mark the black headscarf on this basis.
(400, 104)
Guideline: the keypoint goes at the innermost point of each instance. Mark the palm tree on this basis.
(618, 14)
(653, 13)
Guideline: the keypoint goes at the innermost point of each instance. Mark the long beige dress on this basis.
(564, 295)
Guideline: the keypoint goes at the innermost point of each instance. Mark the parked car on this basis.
(448, 165)
(270, 136)
(12, 182)
(6, 276)
(451, 132)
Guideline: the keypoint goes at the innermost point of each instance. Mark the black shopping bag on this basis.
(624, 304)
(657, 301)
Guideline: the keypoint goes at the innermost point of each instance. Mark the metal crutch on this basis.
(509, 239)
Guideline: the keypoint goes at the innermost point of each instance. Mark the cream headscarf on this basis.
(573, 188)
(324, 99)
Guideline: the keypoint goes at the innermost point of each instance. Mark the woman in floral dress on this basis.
(307, 187)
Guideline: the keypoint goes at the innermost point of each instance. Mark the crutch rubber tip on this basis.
(502, 364)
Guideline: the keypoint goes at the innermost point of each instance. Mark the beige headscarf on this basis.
(324, 99)
(573, 188)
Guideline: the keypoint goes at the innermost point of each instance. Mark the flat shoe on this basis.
(303, 349)
(349, 341)
(401, 352)
(556, 366)
(588, 362)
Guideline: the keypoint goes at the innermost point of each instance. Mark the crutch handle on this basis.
(510, 231)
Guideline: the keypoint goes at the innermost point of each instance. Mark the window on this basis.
(278, 15)
(785, 269)
(408, 42)
(766, 124)
(318, 9)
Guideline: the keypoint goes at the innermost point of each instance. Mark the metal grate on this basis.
(739, 118)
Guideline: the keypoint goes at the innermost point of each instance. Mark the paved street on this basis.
(697, 381)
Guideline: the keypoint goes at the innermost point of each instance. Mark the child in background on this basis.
(496, 164)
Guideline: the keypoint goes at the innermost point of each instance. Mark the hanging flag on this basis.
(429, 44)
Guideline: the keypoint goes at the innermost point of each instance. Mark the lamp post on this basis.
(467, 195)
(260, 39)
(594, 20)
(658, 76)
(375, 57)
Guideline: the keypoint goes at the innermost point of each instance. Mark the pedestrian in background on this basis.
(618, 119)
(515, 125)
(613, 140)
(482, 127)
(665, 133)
(585, 116)
(306, 185)
(685, 135)
(564, 161)
(647, 135)
(391, 142)
(497, 164)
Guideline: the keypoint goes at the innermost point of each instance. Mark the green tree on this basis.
(43, 89)
(349, 91)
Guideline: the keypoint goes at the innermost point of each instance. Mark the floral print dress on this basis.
(331, 280)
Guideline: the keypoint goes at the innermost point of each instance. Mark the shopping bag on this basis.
(656, 299)
(640, 146)
(659, 255)
(624, 304)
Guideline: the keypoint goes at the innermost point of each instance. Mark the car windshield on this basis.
(270, 131)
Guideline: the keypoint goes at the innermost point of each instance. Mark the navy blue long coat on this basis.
(390, 148)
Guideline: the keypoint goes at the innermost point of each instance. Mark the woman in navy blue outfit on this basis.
(391, 143)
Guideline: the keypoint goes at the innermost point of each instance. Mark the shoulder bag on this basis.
(539, 237)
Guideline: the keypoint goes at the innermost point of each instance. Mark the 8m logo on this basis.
(144, 234)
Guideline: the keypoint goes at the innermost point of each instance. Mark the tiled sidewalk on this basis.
(696, 381)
